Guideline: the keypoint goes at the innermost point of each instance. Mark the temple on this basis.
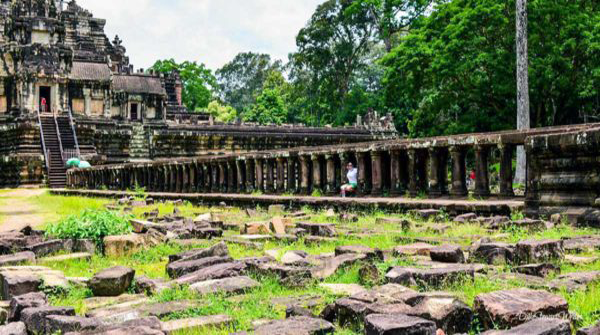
(67, 90)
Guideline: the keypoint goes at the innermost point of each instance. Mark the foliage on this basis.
(241, 80)
(91, 224)
(221, 112)
(271, 106)
(454, 72)
(198, 82)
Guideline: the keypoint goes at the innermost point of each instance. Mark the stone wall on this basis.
(21, 157)
(564, 174)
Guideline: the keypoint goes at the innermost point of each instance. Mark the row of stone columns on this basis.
(395, 172)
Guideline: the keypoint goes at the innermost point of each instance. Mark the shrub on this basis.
(90, 224)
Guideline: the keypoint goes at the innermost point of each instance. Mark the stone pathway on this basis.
(17, 211)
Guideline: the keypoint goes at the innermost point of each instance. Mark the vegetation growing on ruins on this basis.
(90, 225)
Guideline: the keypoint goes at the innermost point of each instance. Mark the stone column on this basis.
(304, 174)
(208, 178)
(281, 175)
(395, 177)
(506, 173)
(222, 177)
(376, 174)
(179, 182)
(413, 187)
(316, 173)
(250, 176)
(437, 172)
(201, 188)
(362, 173)
(185, 184)
(231, 177)
(292, 179)
(482, 178)
(215, 185)
(192, 180)
(270, 176)
(344, 160)
(241, 176)
(260, 180)
(422, 170)
(330, 188)
(459, 172)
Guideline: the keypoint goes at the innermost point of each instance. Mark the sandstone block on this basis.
(112, 282)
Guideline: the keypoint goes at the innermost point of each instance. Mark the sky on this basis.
(207, 31)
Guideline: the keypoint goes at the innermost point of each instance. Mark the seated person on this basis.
(352, 176)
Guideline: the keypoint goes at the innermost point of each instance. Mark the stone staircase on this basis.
(139, 148)
(57, 172)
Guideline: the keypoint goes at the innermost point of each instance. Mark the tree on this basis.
(455, 71)
(198, 82)
(241, 80)
(523, 117)
(271, 105)
(221, 112)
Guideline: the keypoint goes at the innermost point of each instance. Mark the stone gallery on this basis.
(184, 225)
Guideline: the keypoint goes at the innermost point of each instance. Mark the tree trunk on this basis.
(523, 117)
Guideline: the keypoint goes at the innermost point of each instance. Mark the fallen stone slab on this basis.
(16, 284)
(318, 229)
(21, 302)
(15, 328)
(35, 318)
(254, 238)
(593, 330)
(447, 254)
(63, 324)
(343, 289)
(145, 285)
(296, 257)
(575, 281)
(144, 326)
(330, 266)
(126, 245)
(101, 302)
(67, 257)
(310, 240)
(421, 249)
(426, 214)
(232, 285)
(294, 275)
(538, 326)
(217, 271)
(448, 313)
(390, 294)
(142, 226)
(112, 282)
(539, 251)
(295, 326)
(582, 243)
(218, 250)
(430, 277)
(371, 253)
(493, 253)
(466, 218)
(505, 309)
(580, 260)
(52, 279)
(17, 259)
(539, 270)
(196, 324)
(51, 247)
(255, 228)
(181, 268)
(386, 324)
(115, 309)
(307, 301)
(159, 310)
(403, 223)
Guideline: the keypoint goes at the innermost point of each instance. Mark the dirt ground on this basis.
(17, 211)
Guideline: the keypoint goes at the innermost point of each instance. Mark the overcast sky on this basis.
(208, 31)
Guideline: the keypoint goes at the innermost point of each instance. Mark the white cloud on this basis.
(208, 31)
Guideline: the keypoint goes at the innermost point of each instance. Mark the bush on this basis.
(91, 225)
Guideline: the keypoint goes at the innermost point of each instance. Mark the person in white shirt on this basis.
(352, 176)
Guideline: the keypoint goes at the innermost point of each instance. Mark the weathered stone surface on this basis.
(35, 318)
(330, 266)
(67, 257)
(217, 271)
(17, 259)
(466, 218)
(493, 253)
(15, 284)
(575, 281)
(145, 285)
(232, 285)
(582, 243)
(318, 229)
(217, 250)
(426, 214)
(65, 324)
(359, 249)
(29, 300)
(112, 282)
(125, 245)
(539, 251)
(191, 324)
(51, 247)
(538, 326)
(181, 268)
(430, 277)
(368, 274)
(255, 228)
(295, 310)
(159, 310)
(389, 294)
(539, 270)
(343, 289)
(593, 330)
(447, 254)
(142, 326)
(101, 302)
(385, 324)
(448, 313)
(507, 309)
(580, 260)
(294, 258)
(15, 328)
(421, 249)
(296, 326)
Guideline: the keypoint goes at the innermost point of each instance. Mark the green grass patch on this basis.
(57, 208)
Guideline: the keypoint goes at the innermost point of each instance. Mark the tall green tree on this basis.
(271, 106)
(199, 84)
(242, 79)
(455, 71)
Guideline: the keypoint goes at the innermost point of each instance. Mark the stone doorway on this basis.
(45, 99)
(134, 112)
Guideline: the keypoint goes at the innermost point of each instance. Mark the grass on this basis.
(256, 304)
(59, 207)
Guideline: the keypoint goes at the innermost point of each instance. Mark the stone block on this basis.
(112, 282)
(385, 324)
(181, 268)
(218, 271)
(296, 325)
(35, 318)
(231, 285)
(15, 328)
(17, 259)
(218, 250)
(539, 326)
(21, 302)
(539, 251)
(447, 254)
(195, 324)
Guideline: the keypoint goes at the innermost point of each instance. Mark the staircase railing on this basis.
(46, 154)
(74, 133)
(59, 137)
